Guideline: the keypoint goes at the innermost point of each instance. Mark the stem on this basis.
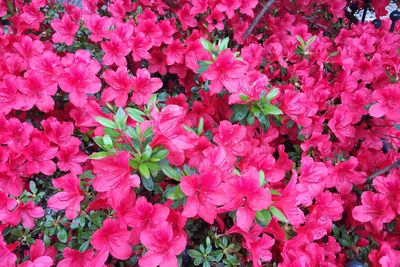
(384, 170)
(257, 19)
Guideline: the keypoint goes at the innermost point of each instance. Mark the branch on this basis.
(257, 19)
(384, 170)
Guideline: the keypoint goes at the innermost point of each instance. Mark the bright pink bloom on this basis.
(113, 239)
(140, 46)
(120, 86)
(390, 187)
(144, 86)
(388, 103)
(228, 6)
(344, 175)
(37, 91)
(114, 173)
(186, 19)
(79, 77)
(57, 132)
(247, 197)
(313, 178)
(39, 155)
(226, 72)
(74, 258)
(25, 213)
(6, 204)
(168, 130)
(386, 256)
(70, 157)
(99, 27)
(299, 107)
(115, 52)
(65, 30)
(341, 125)
(375, 209)
(204, 193)
(232, 137)
(175, 52)
(8, 258)
(71, 197)
(260, 249)
(145, 215)
(163, 246)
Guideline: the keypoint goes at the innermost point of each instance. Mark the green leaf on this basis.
(174, 193)
(262, 178)
(106, 122)
(147, 183)
(120, 118)
(144, 170)
(244, 98)
(274, 192)
(84, 246)
(269, 109)
(311, 40)
(98, 155)
(223, 44)
(32, 187)
(263, 217)
(239, 112)
(397, 127)
(272, 94)
(169, 171)
(108, 142)
(162, 154)
(147, 153)
(207, 45)
(197, 261)
(194, 253)
(135, 114)
(301, 41)
(278, 214)
(62, 235)
(200, 126)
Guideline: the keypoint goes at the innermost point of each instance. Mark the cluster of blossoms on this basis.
(182, 133)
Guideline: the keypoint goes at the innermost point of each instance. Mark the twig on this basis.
(384, 170)
(257, 19)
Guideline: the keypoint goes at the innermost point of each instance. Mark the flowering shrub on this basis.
(211, 133)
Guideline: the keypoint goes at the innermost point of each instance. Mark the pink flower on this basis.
(204, 193)
(65, 30)
(140, 45)
(120, 86)
(70, 157)
(344, 175)
(260, 249)
(226, 72)
(39, 155)
(389, 186)
(386, 256)
(113, 239)
(37, 91)
(115, 52)
(79, 77)
(341, 125)
(228, 6)
(247, 197)
(114, 173)
(144, 86)
(163, 246)
(98, 26)
(25, 213)
(388, 103)
(6, 204)
(74, 258)
(145, 215)
(68, 200)
(57, 132)
(375, 209)
(175, 52)
(8, 259)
